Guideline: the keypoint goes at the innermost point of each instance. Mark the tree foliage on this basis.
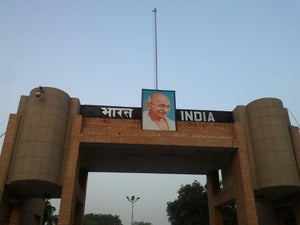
(49, 210)
(141, 223)
(101, 219)
(191, 206)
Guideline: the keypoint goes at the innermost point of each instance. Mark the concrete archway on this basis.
(52, 142)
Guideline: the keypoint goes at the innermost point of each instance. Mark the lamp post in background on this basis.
(132, 200)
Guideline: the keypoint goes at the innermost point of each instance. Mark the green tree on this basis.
(191, 206)
(49, 210)
(101, 219)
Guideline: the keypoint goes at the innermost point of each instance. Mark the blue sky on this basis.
(214, 54)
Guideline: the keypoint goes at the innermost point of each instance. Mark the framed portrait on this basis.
(158, 110)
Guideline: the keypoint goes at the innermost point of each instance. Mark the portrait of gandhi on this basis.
(156, 115)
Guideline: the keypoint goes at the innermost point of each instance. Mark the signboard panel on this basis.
(116, 112)
(204, 116)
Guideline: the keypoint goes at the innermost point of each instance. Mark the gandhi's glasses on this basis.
(161, 106)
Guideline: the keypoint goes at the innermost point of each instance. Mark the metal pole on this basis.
(132, 200)
(155, 49)
(132, 213)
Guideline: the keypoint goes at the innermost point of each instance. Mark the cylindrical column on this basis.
(272, 145)
(40, 142)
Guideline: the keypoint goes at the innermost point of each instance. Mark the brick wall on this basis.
(129, 132)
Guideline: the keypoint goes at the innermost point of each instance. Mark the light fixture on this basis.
(132, 200)
(39, 92)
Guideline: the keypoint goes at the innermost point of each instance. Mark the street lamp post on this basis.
(132, 200)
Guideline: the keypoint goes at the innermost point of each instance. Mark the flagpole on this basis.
(155, 50)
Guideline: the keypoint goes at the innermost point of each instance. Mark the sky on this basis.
(214, 54)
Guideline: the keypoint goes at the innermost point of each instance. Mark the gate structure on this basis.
(52, 142)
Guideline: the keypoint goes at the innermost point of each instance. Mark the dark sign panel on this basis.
(204, 116)
(113, 112)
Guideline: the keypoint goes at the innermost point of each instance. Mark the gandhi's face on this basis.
(159, 106)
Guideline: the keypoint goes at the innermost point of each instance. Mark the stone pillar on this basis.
(15, 215)
(245, 201)
(213, 188)
(82, 185)
(79, 213)
(70, 176)
(5, 159)
(7, 149)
